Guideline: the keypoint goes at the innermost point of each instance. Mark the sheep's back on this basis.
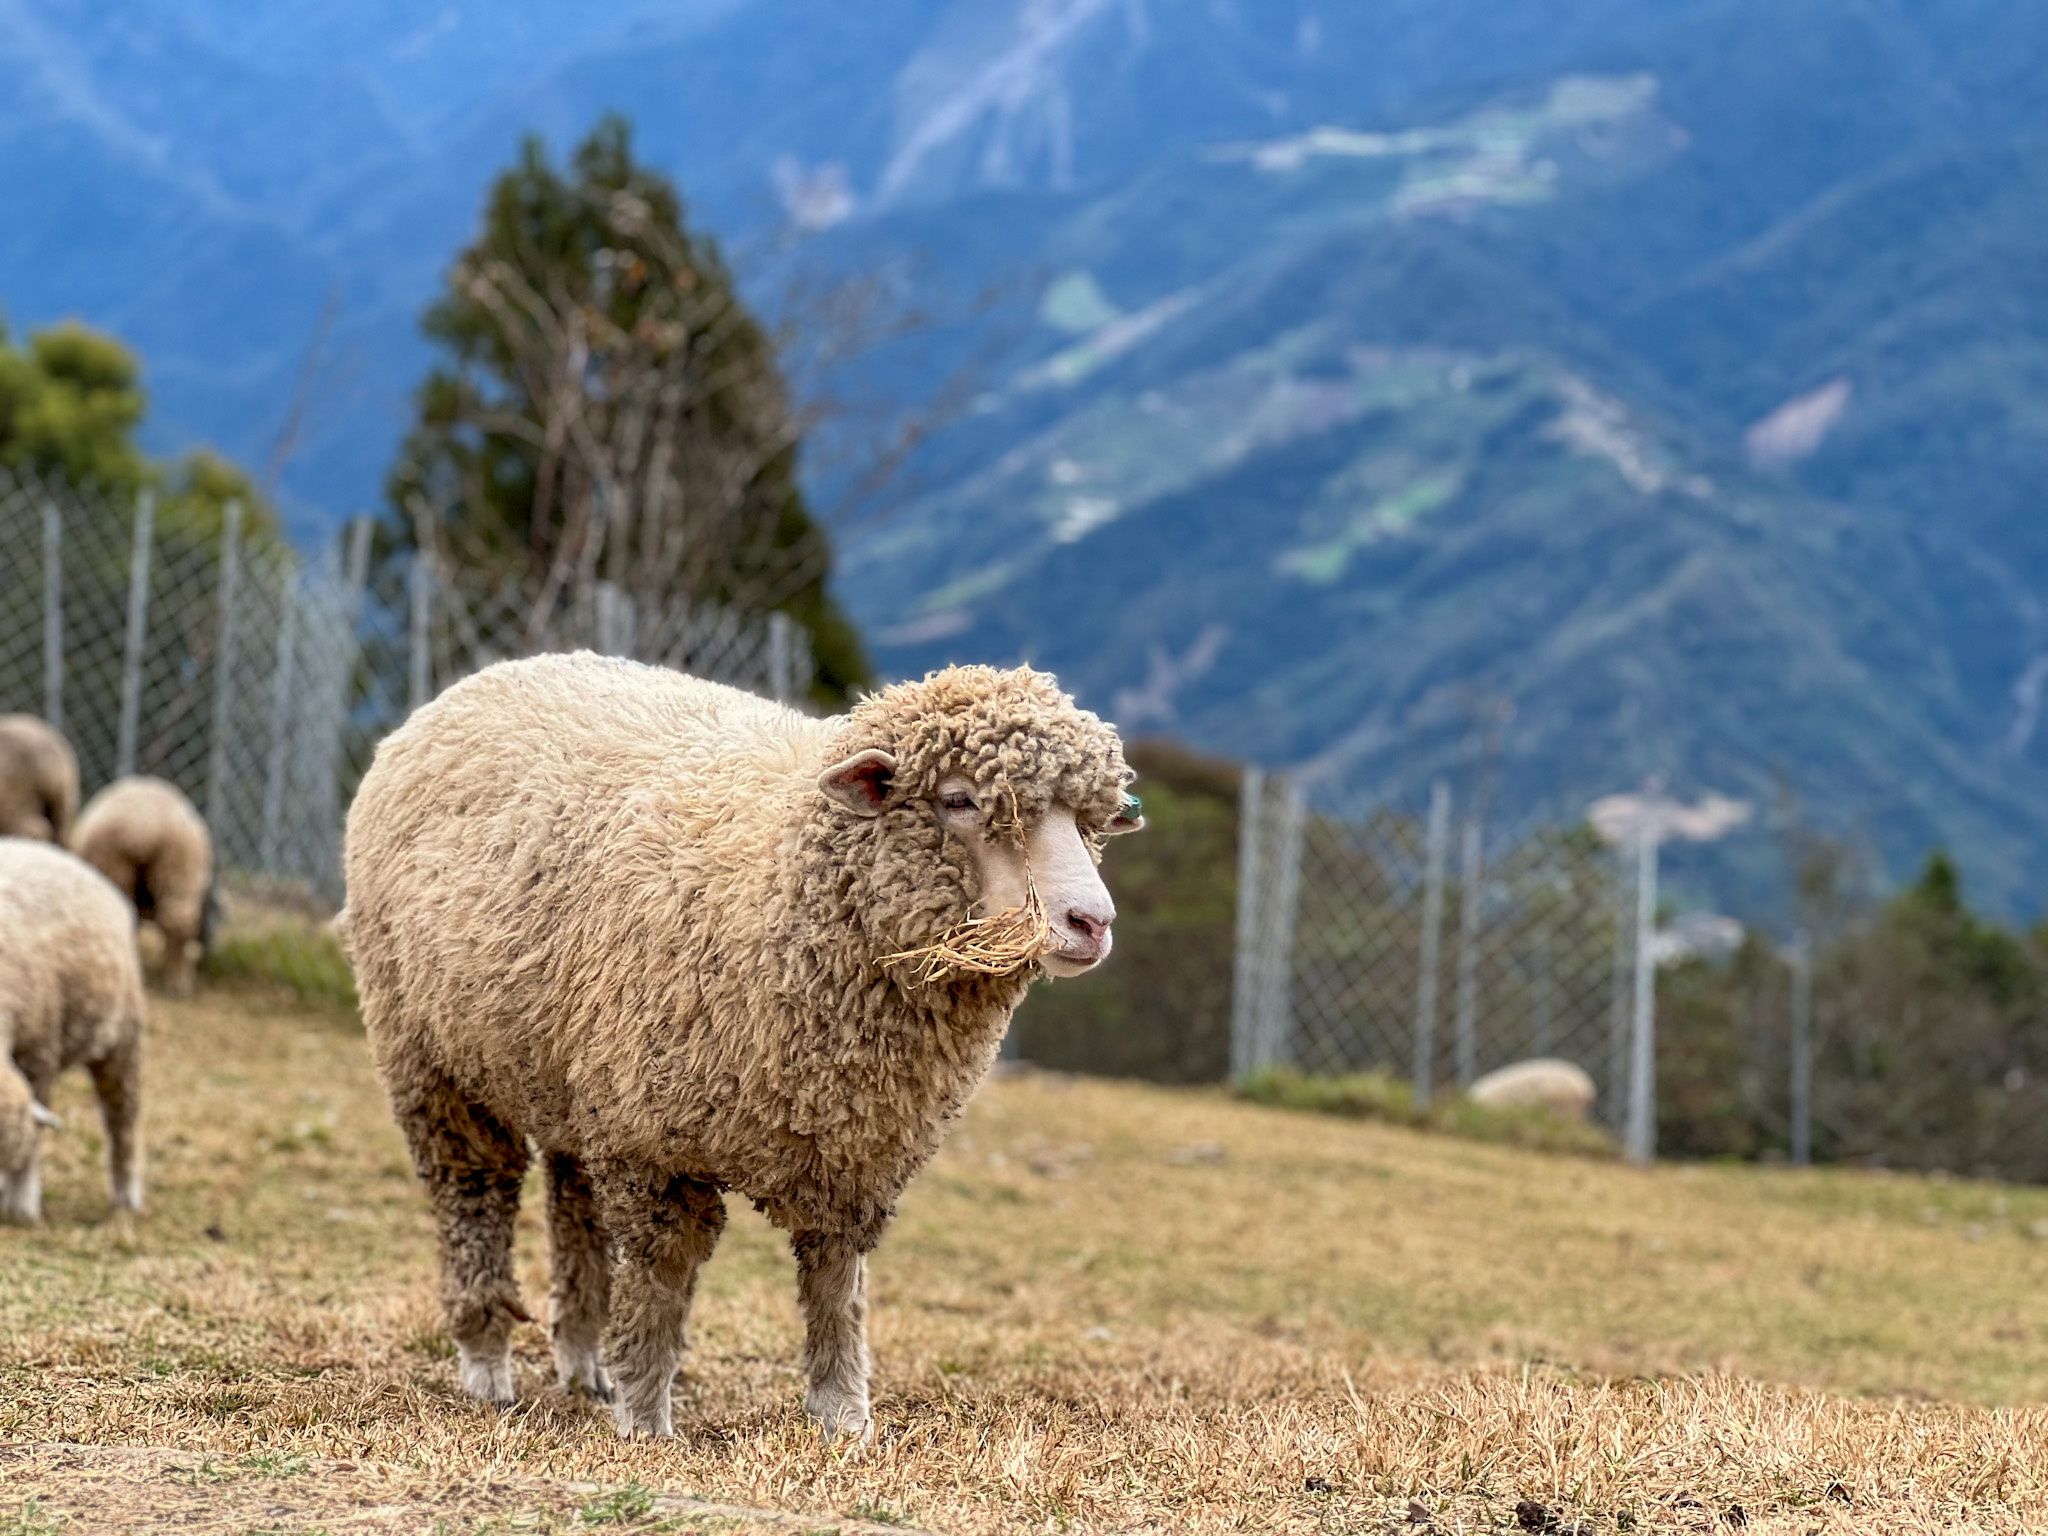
(38, 779)
(70, 982)
(550, 867)
(146, 823)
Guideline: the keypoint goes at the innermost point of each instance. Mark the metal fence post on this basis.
(1802, 1050)
(781, 658)
(322, 857)
(1642, 1075)
(1435, 850)
(53, 615)
(223, 667)
(1470, 900)
(138, 629)
(267, 852)
(1276, 1022)
(419, 633)
(1244, 1010)
(1546, 977)
(803, 664)
(615, 620)
(1618, 1000)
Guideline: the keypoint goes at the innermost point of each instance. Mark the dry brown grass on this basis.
(1105, 1308)
(95, 1487)
(988, 946)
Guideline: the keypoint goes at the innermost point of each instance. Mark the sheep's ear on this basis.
(862, 782)
(1130, 817)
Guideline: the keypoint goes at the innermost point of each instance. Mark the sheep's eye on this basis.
(958, 802)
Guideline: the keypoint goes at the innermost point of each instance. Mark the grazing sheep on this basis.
(38, 780)
(1544, 1083)
(145, 836)
(70, 995)
(688, 941)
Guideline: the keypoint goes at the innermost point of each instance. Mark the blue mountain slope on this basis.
(1250, 507)
(1676, 370)
(364, 135)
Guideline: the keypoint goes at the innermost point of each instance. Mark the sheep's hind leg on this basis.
(116, 1080)
(662, 1230)
(472, 1166)
(832, 1290)
(581, 1274)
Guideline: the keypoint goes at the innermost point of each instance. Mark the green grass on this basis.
(301, 955)
(33, 1518)
(619, 1506)
(1383, 1097)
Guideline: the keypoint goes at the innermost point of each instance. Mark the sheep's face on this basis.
(980, 801)
(1051, 858)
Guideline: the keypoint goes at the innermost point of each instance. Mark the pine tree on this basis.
(71, 400)
(608, 410)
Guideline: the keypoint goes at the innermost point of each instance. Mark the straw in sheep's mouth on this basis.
(991, 946)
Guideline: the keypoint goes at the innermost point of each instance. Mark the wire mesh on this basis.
(1432, 947)
(259, 681)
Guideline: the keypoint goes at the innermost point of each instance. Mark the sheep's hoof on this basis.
(643, 1424)
(487, 1378)
(842, 1418)
(578, 1370)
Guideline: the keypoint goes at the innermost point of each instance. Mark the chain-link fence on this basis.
(1425, 944)
(259, 681)
(1428, 944)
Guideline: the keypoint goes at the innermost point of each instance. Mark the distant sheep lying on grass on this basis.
(146, 837)
(689, 941)
(70, 995)
(38, 780)
(1542, 1083)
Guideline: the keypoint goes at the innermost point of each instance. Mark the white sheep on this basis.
(1542, 1083)
(688, 941)
(70, 995)
(38, 780)
(146, 837)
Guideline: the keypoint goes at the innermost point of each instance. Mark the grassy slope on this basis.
(1107, 1306)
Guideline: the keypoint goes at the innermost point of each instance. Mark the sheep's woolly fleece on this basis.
(38, 780)
(70, 984)
(612, 905)
(146, 837)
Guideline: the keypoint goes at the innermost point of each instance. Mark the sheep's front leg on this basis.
(180, 969)
(180, 920)
(832, 1290)
(662, 1230)
(580, 1270)
(23, 1120)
